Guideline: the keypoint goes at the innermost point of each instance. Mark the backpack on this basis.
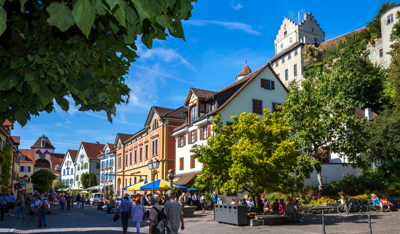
(43, 205)
(160, 217)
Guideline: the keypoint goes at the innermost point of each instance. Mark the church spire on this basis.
(245, 71)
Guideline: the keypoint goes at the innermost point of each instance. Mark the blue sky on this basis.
(220, 36)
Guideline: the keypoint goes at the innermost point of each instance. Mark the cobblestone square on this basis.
(89, 220)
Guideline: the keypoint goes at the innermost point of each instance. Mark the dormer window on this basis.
(193, 114)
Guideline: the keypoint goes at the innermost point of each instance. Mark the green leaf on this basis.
(119, 13)
(9, 82)
(3, 20)
(129, 38)
(84, 16)
(143, 14)
(64, 104)
(21, 116)
(99, 7)
(147, 39)
(17, 63)
(131, 15)
(22, 3)
(114, 26)
(112, 3)
(60, 16)
(162, 20)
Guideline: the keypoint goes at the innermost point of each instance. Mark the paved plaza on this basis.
(90, 220)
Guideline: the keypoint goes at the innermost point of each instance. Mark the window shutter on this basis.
(267, 84)
(184, 139)
(209, 130)
(29, 169)
(272, 85)
(195, 135)
(181, 164)
(201, 133)
(192, 162)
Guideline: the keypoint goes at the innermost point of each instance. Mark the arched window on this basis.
(130, 181)
(119, 184)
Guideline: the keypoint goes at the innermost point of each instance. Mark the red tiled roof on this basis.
(334, 41)
(202, 94)
(8, 124)
(29, 155)
(56, 159)
(245, 71)
(16, 139)
(38, 143)
(93, 149)
(177, 113)
(73, 154)
(360, 113)
(162, 110)
(122, 136)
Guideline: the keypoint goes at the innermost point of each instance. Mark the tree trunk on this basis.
(319, 176)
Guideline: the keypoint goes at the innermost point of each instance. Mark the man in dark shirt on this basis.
(78, 201)
(68, 198)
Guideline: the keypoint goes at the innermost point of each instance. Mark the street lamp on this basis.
(153, 166)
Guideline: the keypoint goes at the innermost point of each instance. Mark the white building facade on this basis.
(252, 92)
(289, 43)
(388, 19)
(68, 168)
(107, 168)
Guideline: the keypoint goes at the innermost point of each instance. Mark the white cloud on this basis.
(58, 124)
(237, 7)
(229, 25)
(163, 54)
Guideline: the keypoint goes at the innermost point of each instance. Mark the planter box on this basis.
(188, 211)
(233, 214)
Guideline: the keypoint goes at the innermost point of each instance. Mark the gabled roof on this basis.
(29, 155)
(93, 149)
(121, 136)
(56, 159)
(73, 154)
(334, 41)
(8, 124)
(200, 94)
(16, 139)
(38, 143)
(245, 71)
(177, 113)
(162, 110)
(285, 51)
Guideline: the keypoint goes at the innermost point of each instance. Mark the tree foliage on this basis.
(92, 179)
(42, 180)
(51, 51)
(311, 55)
(383, 138)
(61, 185)
(322, 118)
(251, 155)
(5, 160)
(394, 67)
(375, 24)
(85, 180)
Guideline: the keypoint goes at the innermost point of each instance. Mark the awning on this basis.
(135, 187)
(159, 184)
(184, 179)
(97, 187)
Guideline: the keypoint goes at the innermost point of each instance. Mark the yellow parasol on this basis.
(136, 187)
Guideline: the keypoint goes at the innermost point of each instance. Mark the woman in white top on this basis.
(137, 213)
(203, 201)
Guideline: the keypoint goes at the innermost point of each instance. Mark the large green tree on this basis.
(42, 180)
(85, 180)
(92, 179)
(61, 185)
(250, 156)
(323, 120)
(383, 137)
(52, 50)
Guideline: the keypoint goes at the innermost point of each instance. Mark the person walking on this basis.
(11, 203)
(182, 200)
(43, 204)
(215, 198)
(68, 199)
(82, 200)
(174, 213)
(125, 208)
(157, 209)
(62, 202)
(21, 204)
(73, 197)
(3, 204)
(78, 201)
(203, 202)
(137, 214)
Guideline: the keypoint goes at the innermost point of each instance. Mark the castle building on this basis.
(289, 43)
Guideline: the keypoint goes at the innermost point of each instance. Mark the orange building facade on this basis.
(154, 141)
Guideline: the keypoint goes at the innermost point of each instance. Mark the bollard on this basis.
(369, 223)
(323, 223)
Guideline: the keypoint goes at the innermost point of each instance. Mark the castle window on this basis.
(289, 56)
(390, 19)
(281, 45)
(276, 63)
(283, 59)
(285, 33)
(286, 75)
(295, 70)
(381, 53)
(290, 39)
(295, 52)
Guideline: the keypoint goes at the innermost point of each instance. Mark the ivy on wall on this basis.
(5, 160)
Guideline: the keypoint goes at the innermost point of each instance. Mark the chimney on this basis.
(368, 113)
(97, 142)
